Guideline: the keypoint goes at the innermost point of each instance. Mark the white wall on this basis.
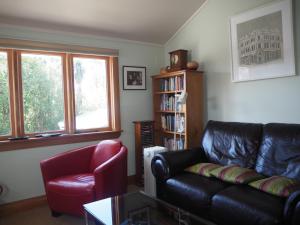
(19, 170)
(207, 37)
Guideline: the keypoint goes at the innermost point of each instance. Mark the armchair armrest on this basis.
(111, 176)
(292, 209)
(167, 164)
(66, 163)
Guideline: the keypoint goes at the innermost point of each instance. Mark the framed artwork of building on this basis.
(262, 43)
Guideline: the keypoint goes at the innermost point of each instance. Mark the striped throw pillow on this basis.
(236, 174)
(203, 169)
(277, 185)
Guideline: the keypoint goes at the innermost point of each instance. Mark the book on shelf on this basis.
(172, 144)
(173, 123)
(168, 103)
(172, 84)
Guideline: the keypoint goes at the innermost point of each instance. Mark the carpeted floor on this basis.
(41, 216)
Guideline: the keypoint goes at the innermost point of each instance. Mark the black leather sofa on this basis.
(271, 149)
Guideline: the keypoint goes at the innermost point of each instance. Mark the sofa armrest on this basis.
(111, 176)
(167, 164)
(292, 209)
(66, 163)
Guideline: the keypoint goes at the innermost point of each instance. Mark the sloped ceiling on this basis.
(153, 21)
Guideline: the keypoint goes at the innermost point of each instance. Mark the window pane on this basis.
(4, 96)
(90, 93)
(42, 93)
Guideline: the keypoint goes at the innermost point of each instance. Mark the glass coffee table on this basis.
(138, 209)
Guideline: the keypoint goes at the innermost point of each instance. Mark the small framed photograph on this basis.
(262, 44)
(134, 78)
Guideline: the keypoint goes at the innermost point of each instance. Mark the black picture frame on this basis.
(134, 78)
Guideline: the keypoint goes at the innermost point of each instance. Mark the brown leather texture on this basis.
(241, 204)
(192, 192)
(235, 143)
(271, 149)
(279, 153)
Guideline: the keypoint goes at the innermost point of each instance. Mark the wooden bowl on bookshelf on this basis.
(193, 65)
(164, 70)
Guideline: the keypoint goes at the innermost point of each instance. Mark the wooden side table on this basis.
(144, 137)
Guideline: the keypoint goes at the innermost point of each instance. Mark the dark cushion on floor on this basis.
(192, 192)
(245, 205)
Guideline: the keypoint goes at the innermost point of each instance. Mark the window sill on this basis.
(7, 145)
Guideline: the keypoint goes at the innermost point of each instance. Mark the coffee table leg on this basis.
(86, 218)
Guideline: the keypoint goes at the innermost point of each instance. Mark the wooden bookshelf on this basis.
(165, 89)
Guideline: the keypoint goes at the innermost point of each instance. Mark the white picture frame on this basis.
(262, 43)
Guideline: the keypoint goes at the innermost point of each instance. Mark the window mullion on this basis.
(65, 85)
(115, 93)
(69, 94)
(12, 109)
(19, 91)
(15, 90)
(108, 92)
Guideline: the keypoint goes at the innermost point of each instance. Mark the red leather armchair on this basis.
(84, 175)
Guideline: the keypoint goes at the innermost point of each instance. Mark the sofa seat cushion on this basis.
(73, 185)
(241, 204)
(236, 174)
(203, 169)
(68, 194)
(277, 185)
(192, 192)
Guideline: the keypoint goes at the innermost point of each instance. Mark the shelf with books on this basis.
(168, 92)
(172, 132)
(169, 111)
(169, 103)
(175, 83)
(171, 114)
(172, 144)
(173, 123)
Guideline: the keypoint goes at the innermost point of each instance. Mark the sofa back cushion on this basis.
(229, 143)
(104, 151)
(279, 153)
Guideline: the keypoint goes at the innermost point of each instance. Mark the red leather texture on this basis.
(67, 163)
(103, 152)
(78, 184)
(111, 176)
(70, 183)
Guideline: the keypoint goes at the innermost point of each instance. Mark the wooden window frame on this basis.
(20, 90)
(11, 109)
(70, 134)
(72, 56)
